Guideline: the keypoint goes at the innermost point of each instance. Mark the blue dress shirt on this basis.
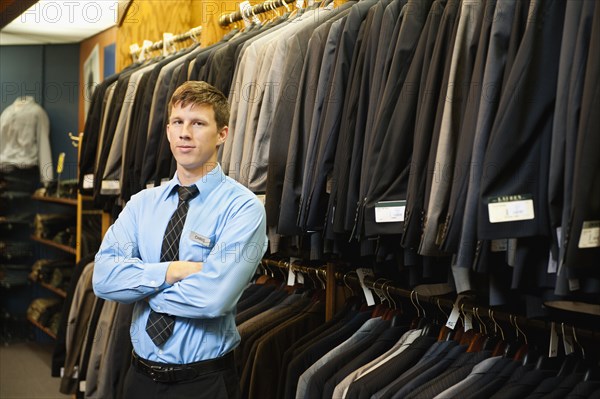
(224, 229)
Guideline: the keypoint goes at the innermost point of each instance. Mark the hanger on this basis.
(445, 333)
(500, 341)
(475, 340)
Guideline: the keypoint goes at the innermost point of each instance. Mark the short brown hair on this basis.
(199, 92)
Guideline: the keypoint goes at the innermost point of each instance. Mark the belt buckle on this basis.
(160, 374)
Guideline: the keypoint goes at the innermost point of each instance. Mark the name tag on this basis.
(200, 239)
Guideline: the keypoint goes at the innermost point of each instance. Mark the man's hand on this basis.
(180, 269)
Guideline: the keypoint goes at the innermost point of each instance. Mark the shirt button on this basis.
(153, 282)
(158, 307)
(160, 352)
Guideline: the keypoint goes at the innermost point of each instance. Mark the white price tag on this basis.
(110, 187)
(262, 198)
(88, 181)
(553, 347)
(291, 278)
(590, 235)
(511, 208)
(389, 211)
(300, 278)
(362, 272)
(468, 321)
(81, 386)
(453, 318)
(299, 3)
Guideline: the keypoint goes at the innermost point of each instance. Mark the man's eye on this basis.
(199, 123)
(176, 123)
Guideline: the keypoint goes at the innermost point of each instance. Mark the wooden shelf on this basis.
(51, 243)
(56, 200)
(57, 291)
(41, 327)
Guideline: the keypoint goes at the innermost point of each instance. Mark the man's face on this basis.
(194, 138)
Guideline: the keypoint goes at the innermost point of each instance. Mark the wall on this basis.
(49, 74)
(148, 20)
(106, 41)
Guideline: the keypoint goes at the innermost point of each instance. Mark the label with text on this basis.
(511, 208)
(390, 211)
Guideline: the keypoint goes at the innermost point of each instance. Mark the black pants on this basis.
(222, 384)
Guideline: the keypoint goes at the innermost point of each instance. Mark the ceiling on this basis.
(56, 21)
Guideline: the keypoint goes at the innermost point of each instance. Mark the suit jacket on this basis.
(385, 175)
(326, 327)
(444, 361)
(563, 144)
(427, 126)
(78, 316)
(271, 347)
(297, 150)
(507, 373)
(500, 36)
(317, 382)
(454, 374)
(463, 58)
(581, 252)
(508, 157)
(60, 348)
(311, 354)
(479, 370)
(548, 386)
(405, 340)
(383, 343)
(374, 381)
(437, 350)
(304, 382)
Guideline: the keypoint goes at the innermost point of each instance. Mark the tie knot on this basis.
(187, 192)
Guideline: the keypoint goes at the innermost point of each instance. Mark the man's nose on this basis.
(186, 132)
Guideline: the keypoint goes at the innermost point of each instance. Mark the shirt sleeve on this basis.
(119, 273)
(215, 290)
(44, 152)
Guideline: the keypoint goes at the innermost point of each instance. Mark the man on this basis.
(184, 252)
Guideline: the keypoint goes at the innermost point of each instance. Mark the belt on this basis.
(163, 372)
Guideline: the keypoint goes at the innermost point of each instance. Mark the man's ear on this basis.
(223, 135)
(169, 132)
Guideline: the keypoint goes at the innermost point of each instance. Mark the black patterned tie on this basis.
(160, 325)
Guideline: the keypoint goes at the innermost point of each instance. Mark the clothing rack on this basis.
(227, 19)
(136, 51)
(467, 305)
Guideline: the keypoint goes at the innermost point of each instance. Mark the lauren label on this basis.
(511, 208)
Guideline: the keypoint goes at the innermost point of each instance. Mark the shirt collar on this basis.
(206, 184)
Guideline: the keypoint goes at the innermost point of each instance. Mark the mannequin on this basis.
(24, 138)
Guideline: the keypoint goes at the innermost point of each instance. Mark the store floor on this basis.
(25, 372)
